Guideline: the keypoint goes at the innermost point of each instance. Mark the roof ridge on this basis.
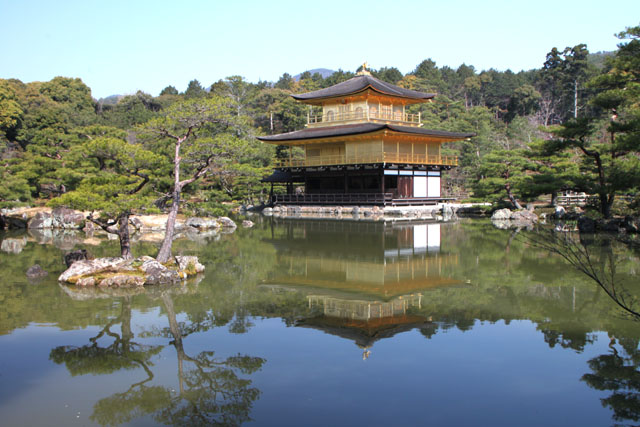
(360, 83)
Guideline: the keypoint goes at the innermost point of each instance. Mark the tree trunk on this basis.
(165, 250)
(554, 198)
(606, 202)
(512, 198)
(575, 99)
(123, 235)
(122, 231)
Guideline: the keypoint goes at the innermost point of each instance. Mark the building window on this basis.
(386, 112)
(373, 111)
(343, 112)
(397, 112)
(330, 116)
(359, 113)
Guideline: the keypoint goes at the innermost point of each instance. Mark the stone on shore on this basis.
(190, 264)
(501, 215)
(505, 218)
(202, 223)
(58, 218)
(41, 220)
(86, 267)
(158, 274)
(524, 216)
(226, 222)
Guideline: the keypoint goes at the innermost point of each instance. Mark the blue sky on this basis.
(119, 47)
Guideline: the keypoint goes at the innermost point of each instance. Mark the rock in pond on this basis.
(74, 256)
(36, 271)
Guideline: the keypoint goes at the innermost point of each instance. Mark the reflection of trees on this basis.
(210, 389)
(618, 372)
(569, 338)
(211, 392)
(123, 353)
(597, 260)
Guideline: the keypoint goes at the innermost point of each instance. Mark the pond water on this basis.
(302, 322)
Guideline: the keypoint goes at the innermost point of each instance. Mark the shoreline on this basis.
(438, 212)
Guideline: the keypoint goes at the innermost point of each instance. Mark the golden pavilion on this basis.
(363, 148)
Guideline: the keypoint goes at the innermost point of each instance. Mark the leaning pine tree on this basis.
(201, 137)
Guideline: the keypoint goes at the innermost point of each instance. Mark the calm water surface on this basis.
(322, 323)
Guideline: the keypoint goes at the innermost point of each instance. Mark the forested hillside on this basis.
(572, 124)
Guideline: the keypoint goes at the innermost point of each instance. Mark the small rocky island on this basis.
(118, 272)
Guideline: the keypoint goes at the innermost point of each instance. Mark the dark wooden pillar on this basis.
(346, 181)
(306, 188)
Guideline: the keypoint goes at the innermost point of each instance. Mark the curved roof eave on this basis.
(363, 128)
(359, 84)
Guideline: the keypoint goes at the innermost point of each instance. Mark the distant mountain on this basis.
(110, 100)
(598, 58)
(324, 72)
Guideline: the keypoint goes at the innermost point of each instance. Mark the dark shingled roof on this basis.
(360, 83)
(361, 128)
(278, 176)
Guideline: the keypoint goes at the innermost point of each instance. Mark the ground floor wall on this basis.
(400, 183)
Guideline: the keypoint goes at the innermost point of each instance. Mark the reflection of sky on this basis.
(493, 374)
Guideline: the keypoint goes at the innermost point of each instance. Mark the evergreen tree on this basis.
(610, 142)
(115, 185)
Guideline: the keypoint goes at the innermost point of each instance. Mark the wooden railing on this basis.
(370, 158)
(334, 198)
(572, 200)
(365, 116)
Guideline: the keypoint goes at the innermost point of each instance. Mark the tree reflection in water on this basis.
(596, 259)
(123, 353)
(618, 372)
(210, 389)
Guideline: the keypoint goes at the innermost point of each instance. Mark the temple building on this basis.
(363, 148)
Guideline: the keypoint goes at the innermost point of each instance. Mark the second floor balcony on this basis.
(364, 115)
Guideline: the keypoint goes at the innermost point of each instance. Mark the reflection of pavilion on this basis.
(365, 322)
(377, 260)
(363, 281)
